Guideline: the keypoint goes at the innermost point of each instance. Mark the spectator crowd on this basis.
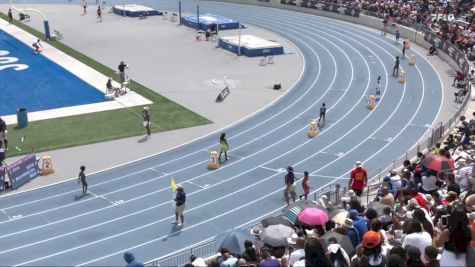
(421, 215)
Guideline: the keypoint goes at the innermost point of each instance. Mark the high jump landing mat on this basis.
(133, 10)
(251, 46)
(208, 19)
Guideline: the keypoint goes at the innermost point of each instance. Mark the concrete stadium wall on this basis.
(372, 22)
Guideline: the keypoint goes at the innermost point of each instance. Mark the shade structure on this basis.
(313, 217)
(233, 240)
(274, 220)
(438, 163)
(276, 235)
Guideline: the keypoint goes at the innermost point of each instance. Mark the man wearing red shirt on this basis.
(358, 179)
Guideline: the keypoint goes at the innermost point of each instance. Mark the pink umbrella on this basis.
(313, 216)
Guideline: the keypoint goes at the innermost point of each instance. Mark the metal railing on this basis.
(335, 192)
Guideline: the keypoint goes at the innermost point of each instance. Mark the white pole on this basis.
(239, 49)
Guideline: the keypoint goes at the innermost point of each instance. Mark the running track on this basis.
(130, 206)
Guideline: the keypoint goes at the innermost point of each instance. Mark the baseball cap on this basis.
(371, 239)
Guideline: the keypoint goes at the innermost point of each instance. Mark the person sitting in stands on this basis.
(432, 51)
(459, 77)
(112, 89)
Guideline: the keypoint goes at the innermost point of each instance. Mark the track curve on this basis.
(131, 205)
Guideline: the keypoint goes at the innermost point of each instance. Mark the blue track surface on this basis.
(43, 85)
(130, 207)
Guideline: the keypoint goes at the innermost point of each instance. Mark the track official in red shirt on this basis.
(358, 179)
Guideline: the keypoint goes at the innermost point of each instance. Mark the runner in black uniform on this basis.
(323, 111)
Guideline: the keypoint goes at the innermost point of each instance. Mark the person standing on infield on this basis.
(10, 16)
(396, 67)
(146, 121)
(121, 68)
(99, 13)
(180, 199)
(323, 111)
(82, 180)
(223, 144)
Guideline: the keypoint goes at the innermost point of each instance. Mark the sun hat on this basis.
(292, 239)
(358, 164)
(146, 108)
(255, 231)
(371, 239)
(351, 193)
(333, 248)
(179, 186)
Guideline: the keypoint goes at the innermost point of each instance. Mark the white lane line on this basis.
(365, 118)
(267, 147)
(97, 196)
(202, 187)
(382, 139)
(280, 170)
(191, 246)
(367, 87)
(332, 154)
(327, 176)
(168, 235)
(6, 214)
(261, 136)
(211, 133)
(351, 31)
(232, 137)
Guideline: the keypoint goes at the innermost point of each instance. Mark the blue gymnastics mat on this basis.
(208, 19)
(38, 83)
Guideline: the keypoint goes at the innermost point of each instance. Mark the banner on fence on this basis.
(344, 10)
(2, 179)
(449, 49)
(23, 171)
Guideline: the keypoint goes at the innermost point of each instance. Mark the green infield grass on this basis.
(96, 127)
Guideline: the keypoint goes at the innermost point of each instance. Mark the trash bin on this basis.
(22, 117)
